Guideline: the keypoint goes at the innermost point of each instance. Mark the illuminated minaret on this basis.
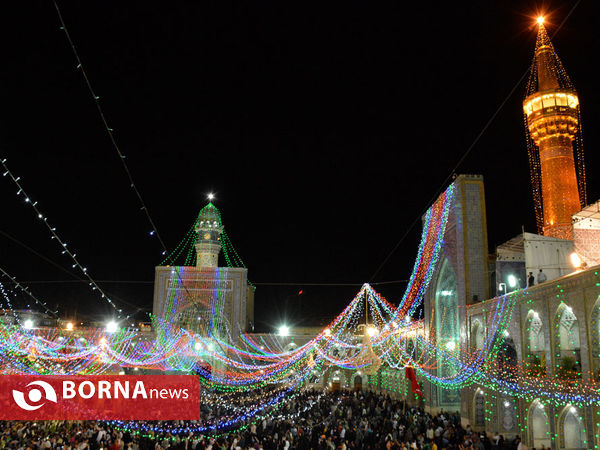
(208, 244)
(552, 119)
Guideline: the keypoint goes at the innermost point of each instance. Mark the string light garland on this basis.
(370, 336)
(54, 235)
(109, 130)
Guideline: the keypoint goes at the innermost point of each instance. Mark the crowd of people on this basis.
(311, 420)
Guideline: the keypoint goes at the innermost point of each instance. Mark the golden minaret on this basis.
(552, 119)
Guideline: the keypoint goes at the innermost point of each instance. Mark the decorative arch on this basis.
(535, 359)
(538, 424)
(566, 342)
(507, 357)
(479, 408)
(571, 429)
(508, 415)
(477, 334)
(447, 324)
(535, 333)
(595, 327)
(446, 305)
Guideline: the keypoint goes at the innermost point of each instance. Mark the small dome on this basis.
(210, 213)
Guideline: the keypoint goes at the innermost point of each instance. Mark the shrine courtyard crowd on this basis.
(312, 420)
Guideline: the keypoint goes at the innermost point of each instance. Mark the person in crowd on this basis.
(312, 420)
(541, 277)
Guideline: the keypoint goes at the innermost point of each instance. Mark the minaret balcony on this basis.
(550, 102)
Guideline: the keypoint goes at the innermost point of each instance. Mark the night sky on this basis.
(324, 129)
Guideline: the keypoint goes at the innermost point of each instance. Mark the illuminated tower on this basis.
(208, 244)
(553, 127)
(194, 292)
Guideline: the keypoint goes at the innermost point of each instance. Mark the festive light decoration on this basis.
(249, 378)
(54, 235)
(369, 336)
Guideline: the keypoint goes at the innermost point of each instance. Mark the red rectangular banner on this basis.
(99, 397)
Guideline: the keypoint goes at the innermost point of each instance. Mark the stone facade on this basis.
(586, 234)
(554, 331)
(194, 297)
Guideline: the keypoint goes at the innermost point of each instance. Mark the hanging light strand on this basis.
(110, 132)
(54, 235)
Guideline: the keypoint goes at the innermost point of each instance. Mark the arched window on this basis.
(539, 425)
(566, 343)
(572, 429)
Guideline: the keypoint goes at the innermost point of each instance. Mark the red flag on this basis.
(410, 374)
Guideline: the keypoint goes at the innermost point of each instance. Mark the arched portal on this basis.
(336, 381)
(357, 382)
(539, 425)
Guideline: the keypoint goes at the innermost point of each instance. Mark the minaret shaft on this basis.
(560, 195)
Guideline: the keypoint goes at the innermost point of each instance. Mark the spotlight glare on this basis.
(575, 260)
(112, 327)
(284, 330)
